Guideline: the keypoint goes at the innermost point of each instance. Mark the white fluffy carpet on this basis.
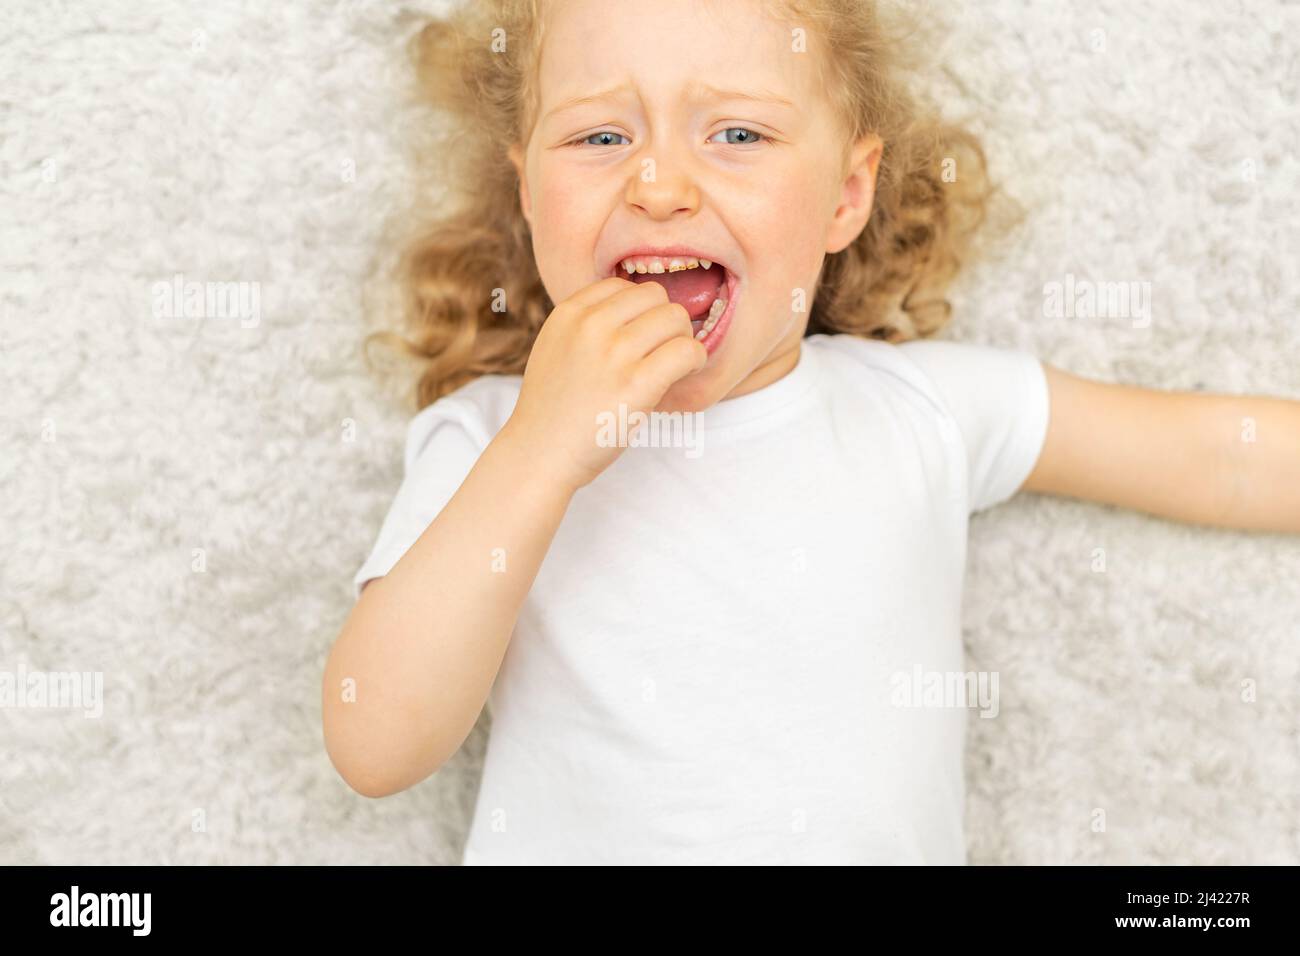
(140, 139)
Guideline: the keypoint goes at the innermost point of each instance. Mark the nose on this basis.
(661, 189)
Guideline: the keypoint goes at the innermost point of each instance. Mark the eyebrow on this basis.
(703, 91)
(760, 96)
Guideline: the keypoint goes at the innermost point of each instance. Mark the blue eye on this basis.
(747, 137)
(605, 133)
(750, 136)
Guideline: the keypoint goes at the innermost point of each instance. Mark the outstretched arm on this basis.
(1230, 461)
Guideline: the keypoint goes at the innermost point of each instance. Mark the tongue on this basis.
(695, 289)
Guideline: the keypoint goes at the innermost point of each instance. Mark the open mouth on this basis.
(706, 289)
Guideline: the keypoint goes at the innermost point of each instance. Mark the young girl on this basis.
(707, 651)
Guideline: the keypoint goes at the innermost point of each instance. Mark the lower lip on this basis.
(714, 339)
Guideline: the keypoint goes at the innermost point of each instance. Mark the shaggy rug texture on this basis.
(184, 501)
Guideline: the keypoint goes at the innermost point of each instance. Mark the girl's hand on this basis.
(613, 342)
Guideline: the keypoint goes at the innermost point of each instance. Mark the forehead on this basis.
(663, 48)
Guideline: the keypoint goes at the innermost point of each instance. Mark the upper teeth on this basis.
(657, 265)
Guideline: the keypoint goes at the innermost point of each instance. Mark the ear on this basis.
(858, 193)
(525, 201)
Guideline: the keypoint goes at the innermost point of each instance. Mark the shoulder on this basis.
(476, 410)
(846, 357)
(994, 402)
(947, 372)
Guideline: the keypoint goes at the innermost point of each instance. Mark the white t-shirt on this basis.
(719, 658)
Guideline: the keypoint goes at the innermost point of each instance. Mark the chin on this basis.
(694, 393)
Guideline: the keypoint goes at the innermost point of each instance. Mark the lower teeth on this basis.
(715, 312)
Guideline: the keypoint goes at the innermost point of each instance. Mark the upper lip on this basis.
(663, 252)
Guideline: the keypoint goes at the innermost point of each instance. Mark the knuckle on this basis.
(647, 376)
(655, 290)
(588, 334)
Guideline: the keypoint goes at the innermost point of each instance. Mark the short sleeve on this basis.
(441, 449)
(1000, 401)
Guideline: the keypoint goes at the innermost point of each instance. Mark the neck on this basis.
(776, 366)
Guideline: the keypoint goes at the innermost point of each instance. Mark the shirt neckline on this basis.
(787, 389)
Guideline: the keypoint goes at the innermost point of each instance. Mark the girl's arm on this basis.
(423, 644)
(1228, 461)
(414, 663)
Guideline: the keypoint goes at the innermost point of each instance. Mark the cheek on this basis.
(566, 206)
(566, 223)
(787, 238)
(794, 226)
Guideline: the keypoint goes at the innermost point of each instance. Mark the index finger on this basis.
(598, 292)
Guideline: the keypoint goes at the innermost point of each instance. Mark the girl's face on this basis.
(698, 125)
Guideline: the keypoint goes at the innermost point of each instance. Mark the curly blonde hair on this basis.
(887, 284)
